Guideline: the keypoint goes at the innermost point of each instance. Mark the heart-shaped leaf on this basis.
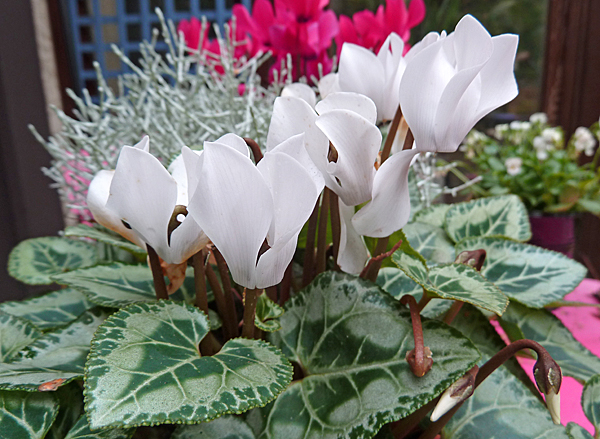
(81, 430)
(350, 339)
(590, 401)
(105, 236)
(15, 334)
(434, 215)
(35, 261)
(54, 359)
(503, 216)
(431, 242)
(542, 326)
(576, 431)
(267, 314)
(144, 368)
(118, 285)
(502, 406)
(25, 415)
(227, 427)
(528, 274)
(50, 310)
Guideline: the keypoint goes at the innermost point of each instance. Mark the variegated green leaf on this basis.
(528, 274)
(410, 261)
(504, 216)
(105, 236)
(118, 285)
(590, 401)
(350, 339)
(144, 368)
(502, 406)
(81, 430)
(70, 399)
(15, 334)
(430, 241)
(35, 261)
(50, 310)
(227, 427)
(26, 415)
(267, 314)
(395, 282)
(434, 215)
(54, 359)
(464, 283)
(576, 431)
(542, 326)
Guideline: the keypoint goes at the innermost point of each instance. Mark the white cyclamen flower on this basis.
(584, 141)
(452, 81)
(138, 200)
(376, 76)
(513, 165)
(241, 206)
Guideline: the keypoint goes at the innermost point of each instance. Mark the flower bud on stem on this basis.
(160, 287)
(250, 299)
(419, 359)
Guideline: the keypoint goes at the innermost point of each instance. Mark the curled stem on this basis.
(160, 286)
(419, 359)
(250, 299)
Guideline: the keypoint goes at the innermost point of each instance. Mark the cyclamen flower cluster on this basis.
(253, 212)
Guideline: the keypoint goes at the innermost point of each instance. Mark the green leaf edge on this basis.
(594, 380)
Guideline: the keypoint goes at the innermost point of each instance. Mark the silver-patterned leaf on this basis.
(105, 236)
(15, 334)
(431, 242)
(542, 326)
(25, 415)
(54, 359)
(267, 314)
(34, 261)
(350, 339)
(503, 216)
(81, 430)
(145, 368)
(50, 310)
(410, 261)
(528, 274)
(502, 406)
(434, 215)
(576, 431)
(590, 401)
(226, 427)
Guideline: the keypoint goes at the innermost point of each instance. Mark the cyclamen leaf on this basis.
(226, 427)
(528, 274)
(26, 415)
(502, 406)
(433, 215)
(590, 401)
(267, 314)
(15, 334)
(105, 236)
(35, 261)
(350, 338)
(118, 285)
(54, 359)
(144, 368)
(431, 242)
(81, 430)
(504, 215)
(411, 261)
(50, 310)
(542, 326)
(576, 431)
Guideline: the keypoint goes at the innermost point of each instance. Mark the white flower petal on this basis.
(295, 148)
(143, 144)
(178, 171)
(329, 84)
(389, 209)
(472, 43)
(353, 253)
(390, 56)
(358, 103)
(193, 167)
(357, 142)
(273, 263)
(234, 207)
(302, 91)
(187, 240)
(235, 142)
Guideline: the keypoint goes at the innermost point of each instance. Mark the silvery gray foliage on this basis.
(183, 97)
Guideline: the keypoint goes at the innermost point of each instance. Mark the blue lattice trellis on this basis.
(96, 24)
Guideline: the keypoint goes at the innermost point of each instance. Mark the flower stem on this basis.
(380, 257)
(309, 250)
(160, 286)
(250, 299)
(389, 140)
(373, 267)
(321, 261)
(230, 319)
(453, 312)
(220, 301)
(419, 359)
(335, 224)
(425, 299)
(286, 284)
(200, 281)
(256, 152)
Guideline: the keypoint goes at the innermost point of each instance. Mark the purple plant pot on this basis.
(556, 232)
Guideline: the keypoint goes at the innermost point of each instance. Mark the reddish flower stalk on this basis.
(419, 359)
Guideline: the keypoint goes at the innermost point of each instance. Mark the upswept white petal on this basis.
(302, 91)
(472, 43)
(329, 84)
(234, 207)
(390, 56)
(295, 148)
(358, 103)
(143, 144)
(187, 240)
(235, 142)
(143, 194)
(193, 161)
(389, 209)
(178, 171)
(273, 263)
(361, 72)
(427, 41)
(97, 196)
(353, 253)
(357, 142)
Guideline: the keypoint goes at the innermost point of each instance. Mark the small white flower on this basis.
(552, 135)
(540, 118)
(500, 130)
(518, 125)
(539, 143)
(513, 165)
(584, 140)
(542, 155)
